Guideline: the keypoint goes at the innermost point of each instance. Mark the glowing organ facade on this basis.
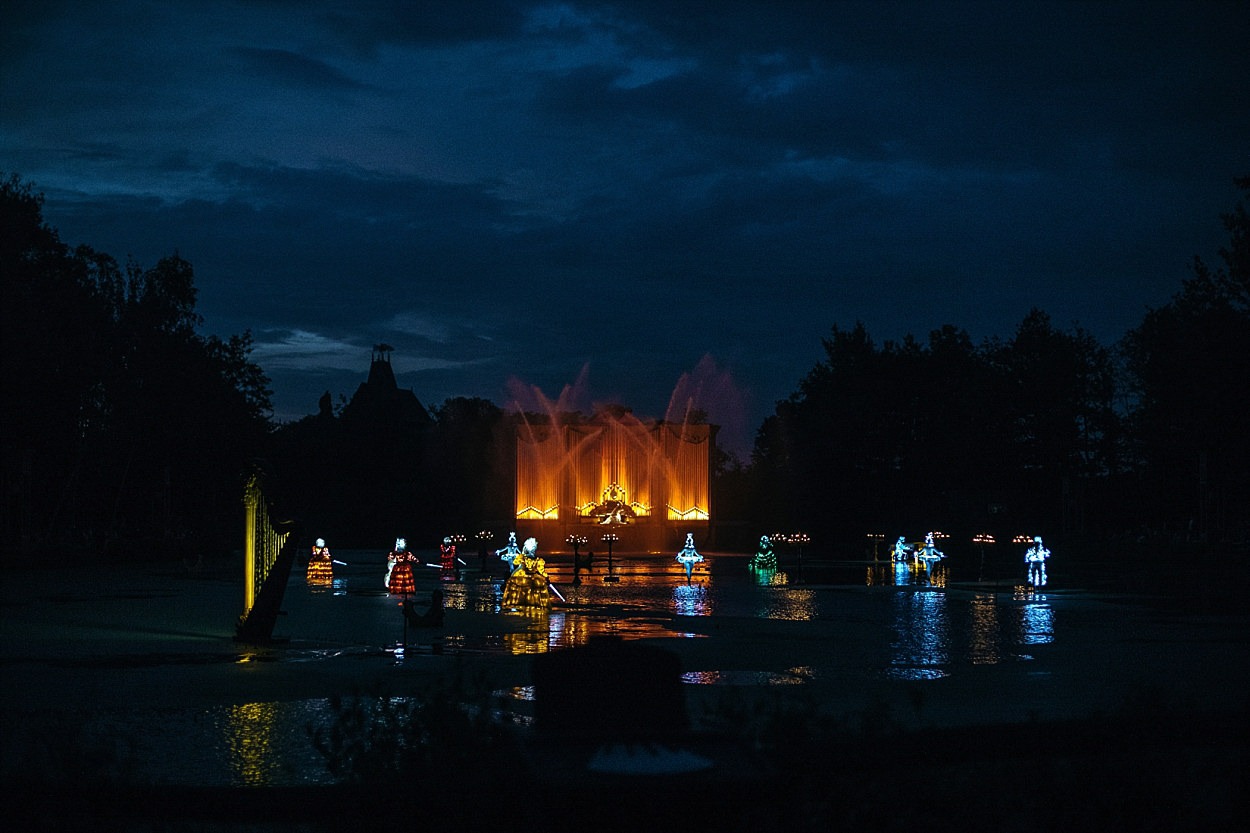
(648, 481)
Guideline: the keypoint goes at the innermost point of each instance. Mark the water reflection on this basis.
(249, 739)
(691, 600)
(921, 646)
(984, 631)
(934, 627)
(526, 642)
(889, 574)
(1037, 617)
(906, 574)
(566, 631)
(771, 578)
(793, 603)
(791, 676)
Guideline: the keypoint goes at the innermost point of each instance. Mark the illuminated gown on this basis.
(689, 556)
(509, 553)
(320, 567)
(447, 561)
(765, 559)
(929, 554)
(527, 585)
(401, 581)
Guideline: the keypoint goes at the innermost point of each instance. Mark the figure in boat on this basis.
(1036, 559)
(929, 554)
(765, 558)
(613, 509)
(688, 556)
(399, 576)
(432, 617)
(510, 552)
(902, 550)
(447, 560)
(320, 571)
(528, 585)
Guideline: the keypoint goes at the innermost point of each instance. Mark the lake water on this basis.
(942, 649)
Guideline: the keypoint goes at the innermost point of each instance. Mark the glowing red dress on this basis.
(447, 561)
(401, 582)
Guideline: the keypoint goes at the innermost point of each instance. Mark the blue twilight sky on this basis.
(636, 201)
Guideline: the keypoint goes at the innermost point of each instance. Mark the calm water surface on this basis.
(909, 626)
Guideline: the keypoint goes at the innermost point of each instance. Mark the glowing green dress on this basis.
(765, 559)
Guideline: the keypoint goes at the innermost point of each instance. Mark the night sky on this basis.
(631, 199)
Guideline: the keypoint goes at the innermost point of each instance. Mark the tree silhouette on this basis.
(130, 431)
(1190, 382)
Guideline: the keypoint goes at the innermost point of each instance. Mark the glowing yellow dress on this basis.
(527, 585)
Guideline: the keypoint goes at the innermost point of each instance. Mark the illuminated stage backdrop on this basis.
(646, 481)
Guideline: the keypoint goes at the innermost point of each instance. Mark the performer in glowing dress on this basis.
(688, 555)
(902, 550)
(447, 561)
(510, 552)
(527, 586)
(766, 558)
(320, 565)
(1036, 559)
(399, 576)
(929, 554)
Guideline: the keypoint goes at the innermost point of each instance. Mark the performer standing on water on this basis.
(688, 555)
(447, 560)
(929, 553)
(1036, 559)
(509, 552)
(902, 549)
(399, 577)
(320, 565)
(765, 558)
(528, 585)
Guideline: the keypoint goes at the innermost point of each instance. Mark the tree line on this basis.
(1045, 430)
(129, 433)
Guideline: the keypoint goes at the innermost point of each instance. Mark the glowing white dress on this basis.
(510, 552)
(1036, 559)
(689, 556)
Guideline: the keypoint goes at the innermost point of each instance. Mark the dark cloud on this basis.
(522, 194)
(285, 67)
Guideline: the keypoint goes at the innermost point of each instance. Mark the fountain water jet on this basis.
(647, 480)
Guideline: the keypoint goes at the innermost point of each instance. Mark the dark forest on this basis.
(129, 433)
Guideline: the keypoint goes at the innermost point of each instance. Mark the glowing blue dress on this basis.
(929, 554)
(510, 552)
(689, 556)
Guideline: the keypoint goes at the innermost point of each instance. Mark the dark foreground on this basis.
(1092, 748)
(1132, 773)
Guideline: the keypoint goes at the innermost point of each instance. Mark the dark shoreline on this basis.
(1147, 771)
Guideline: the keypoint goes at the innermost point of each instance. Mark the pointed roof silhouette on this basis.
(380, 400)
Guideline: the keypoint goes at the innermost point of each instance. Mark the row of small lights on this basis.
(582, 539)
(979, 538)
(781, 537)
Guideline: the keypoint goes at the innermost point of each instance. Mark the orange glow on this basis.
(574, 467)
(533, 513)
